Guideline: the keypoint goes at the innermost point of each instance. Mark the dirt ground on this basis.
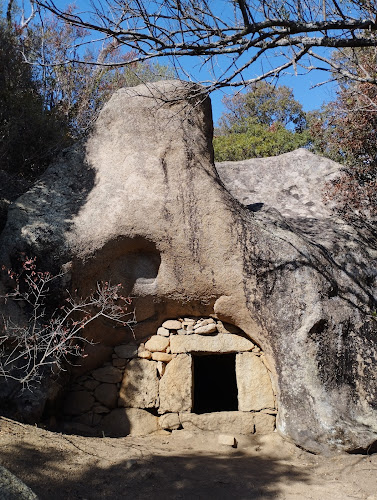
(181, 465)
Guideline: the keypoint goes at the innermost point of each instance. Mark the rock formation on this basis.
(12, 487)
(142, 204)
(292, 183)
(11, 187)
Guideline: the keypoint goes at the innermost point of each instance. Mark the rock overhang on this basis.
(154, 213)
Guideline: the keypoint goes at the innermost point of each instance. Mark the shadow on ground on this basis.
(60, 474)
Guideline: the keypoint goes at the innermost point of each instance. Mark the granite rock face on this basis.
(129, 421)
(292, 182)
(142, 204)
(78, 402)
(176, 385)
(223, 342)
(238, 422)
(253, 382)
(140, 384)
(12, 488)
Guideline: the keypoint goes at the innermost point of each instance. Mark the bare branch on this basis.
(244, 31)
(341, 71)
(51, 341)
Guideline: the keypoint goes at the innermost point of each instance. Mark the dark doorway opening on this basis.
(215, 384)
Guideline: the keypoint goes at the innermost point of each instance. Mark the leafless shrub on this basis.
(52, 340)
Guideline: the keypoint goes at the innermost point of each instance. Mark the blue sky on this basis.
(304, 88)
(302, 85)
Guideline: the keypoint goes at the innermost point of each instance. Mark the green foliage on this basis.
(257, 142)
(266, 121)
(47, 99)
(29, 133)
(264, 103)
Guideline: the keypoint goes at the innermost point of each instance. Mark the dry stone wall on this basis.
(150, 385)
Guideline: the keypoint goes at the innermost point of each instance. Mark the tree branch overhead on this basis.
(242, 31)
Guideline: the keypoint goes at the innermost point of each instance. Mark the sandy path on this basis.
(181, 465)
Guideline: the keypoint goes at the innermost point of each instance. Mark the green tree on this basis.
(29, 133)
(47, 100)
(265, 121)
(264, 103)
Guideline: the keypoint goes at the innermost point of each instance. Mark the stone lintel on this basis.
(220, 343)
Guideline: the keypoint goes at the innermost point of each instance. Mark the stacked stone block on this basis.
(149, 386)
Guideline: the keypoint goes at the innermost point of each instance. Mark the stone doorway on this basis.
(193, 373)
(215, 384)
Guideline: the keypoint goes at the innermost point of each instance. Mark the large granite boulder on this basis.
(143, 204)
(293, 183)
